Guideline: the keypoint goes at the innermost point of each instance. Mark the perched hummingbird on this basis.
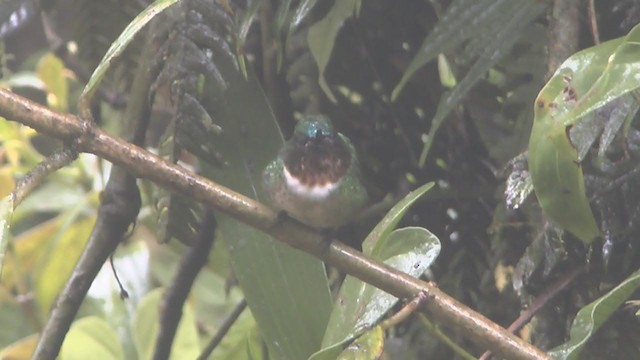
(316, 176)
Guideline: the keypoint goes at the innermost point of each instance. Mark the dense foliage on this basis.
(536, 203)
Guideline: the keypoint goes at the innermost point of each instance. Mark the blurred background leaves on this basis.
(458, 121)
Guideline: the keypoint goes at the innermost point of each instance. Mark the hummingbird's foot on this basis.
(328, 234)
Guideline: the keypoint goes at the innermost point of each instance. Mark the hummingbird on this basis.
(316, 176)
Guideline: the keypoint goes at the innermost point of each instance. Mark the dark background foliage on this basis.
(495, 259)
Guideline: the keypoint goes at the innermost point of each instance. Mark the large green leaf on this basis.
(585, 82)
(591, 317)
(360, 305)
(322, 36)
(286, 289)
(59, 258)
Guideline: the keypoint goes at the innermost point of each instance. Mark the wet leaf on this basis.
(302, 11)
(360, 305)
(389, 222)
(519, 185)
(587, 81)
(591, 317)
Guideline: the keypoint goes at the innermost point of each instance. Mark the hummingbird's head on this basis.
(316, 155)
(314, 126)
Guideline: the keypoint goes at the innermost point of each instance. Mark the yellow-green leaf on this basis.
(91, 338)
(50, 70)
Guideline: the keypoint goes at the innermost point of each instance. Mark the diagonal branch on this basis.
(144, 164)
(176, 295)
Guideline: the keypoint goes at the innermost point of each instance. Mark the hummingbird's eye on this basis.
(318, 134)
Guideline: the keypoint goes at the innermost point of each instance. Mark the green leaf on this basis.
(147, 323)
(591, 317)
(360, 305)
(59, 259)
(247, 18)
(301, 13)
(286, 290)
(6, 211)
(389, 222)
(51, 71)
(585, 82)
(513, 17)
(368, 346)
(482, 21)
(118, 46)
(91, 338)
(322, 37)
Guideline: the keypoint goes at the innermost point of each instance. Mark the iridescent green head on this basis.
(313, 126)
(316, 154)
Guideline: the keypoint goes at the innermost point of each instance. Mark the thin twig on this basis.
(123, 292)
(176, 295)
(224, 329)
(118, 209)
(406, 310)
(593, 21)
(36, 176)
(564, 30)
(435, 331)
(539, 302)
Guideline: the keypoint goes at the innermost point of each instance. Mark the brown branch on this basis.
(38, 174)
(120, 202)
(564, 30)
(144, 164)
(593, 22)
(539, 302)
(176, 295)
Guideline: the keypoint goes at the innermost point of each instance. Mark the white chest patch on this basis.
(312, 192)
